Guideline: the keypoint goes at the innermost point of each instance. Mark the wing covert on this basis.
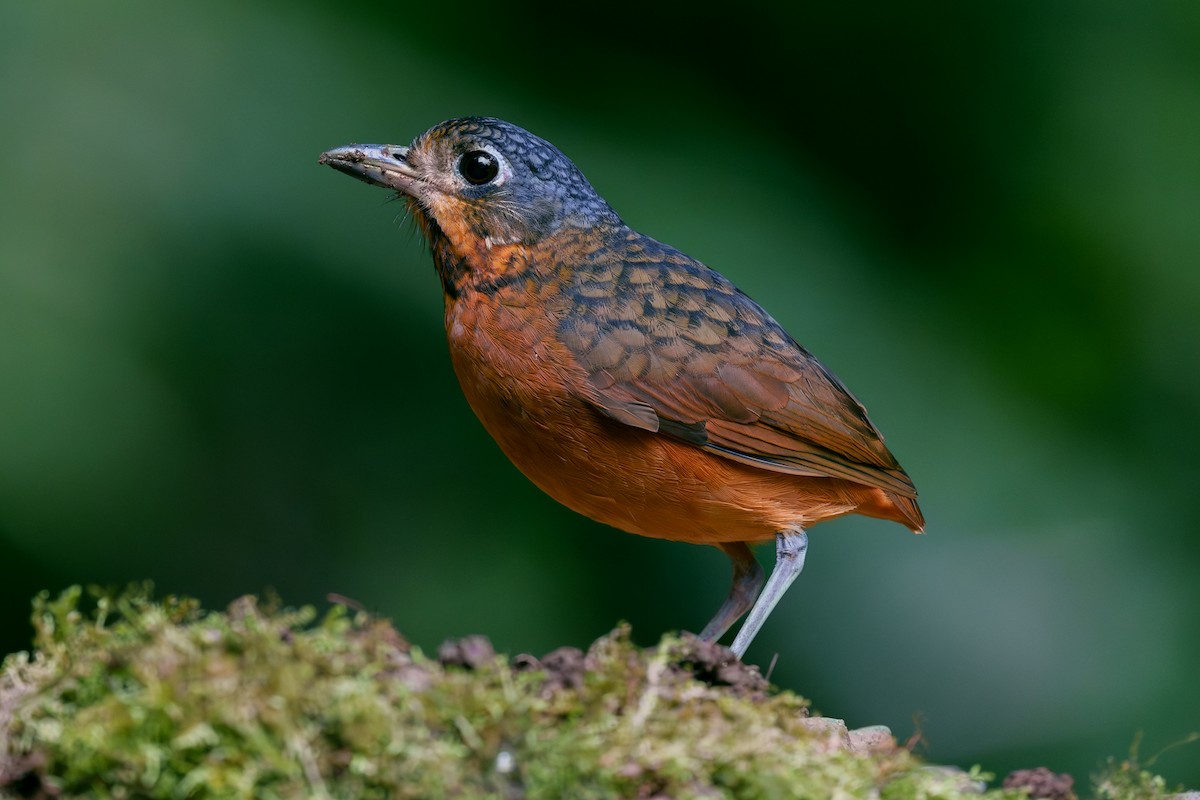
(670, 346)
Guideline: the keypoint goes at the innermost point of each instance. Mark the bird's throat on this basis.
(472, 250)
(470, 264)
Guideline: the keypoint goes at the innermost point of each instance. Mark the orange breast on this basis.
(520, 382)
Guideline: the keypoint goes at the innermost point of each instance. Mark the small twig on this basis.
(347, 602)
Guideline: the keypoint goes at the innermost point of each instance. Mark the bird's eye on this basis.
(478, 167)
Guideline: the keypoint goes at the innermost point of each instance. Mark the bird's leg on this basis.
(748, 579)
(790, 547)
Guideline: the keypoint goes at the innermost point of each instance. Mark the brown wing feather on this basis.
(671, 346)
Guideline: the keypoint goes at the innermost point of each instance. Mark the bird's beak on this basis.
(383, 165)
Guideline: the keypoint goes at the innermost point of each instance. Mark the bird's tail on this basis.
(911, 512)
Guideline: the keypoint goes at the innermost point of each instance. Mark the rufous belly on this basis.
(527, 391)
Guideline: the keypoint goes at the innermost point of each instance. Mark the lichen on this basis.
(138, 698)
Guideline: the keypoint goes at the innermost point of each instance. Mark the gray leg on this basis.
(748, 579)
(790, 547)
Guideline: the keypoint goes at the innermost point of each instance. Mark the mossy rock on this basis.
(160, 699)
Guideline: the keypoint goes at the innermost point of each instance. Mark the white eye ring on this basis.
(482, 166)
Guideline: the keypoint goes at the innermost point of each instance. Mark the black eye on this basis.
(478, 167)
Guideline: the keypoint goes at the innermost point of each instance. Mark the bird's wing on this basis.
(671, 346)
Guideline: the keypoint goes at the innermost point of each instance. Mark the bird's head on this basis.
(480, 182)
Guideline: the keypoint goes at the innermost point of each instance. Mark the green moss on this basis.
(1125, 780)
(160, 699)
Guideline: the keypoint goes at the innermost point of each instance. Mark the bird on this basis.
(629, 381)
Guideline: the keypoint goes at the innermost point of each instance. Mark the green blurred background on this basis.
(222, 366)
